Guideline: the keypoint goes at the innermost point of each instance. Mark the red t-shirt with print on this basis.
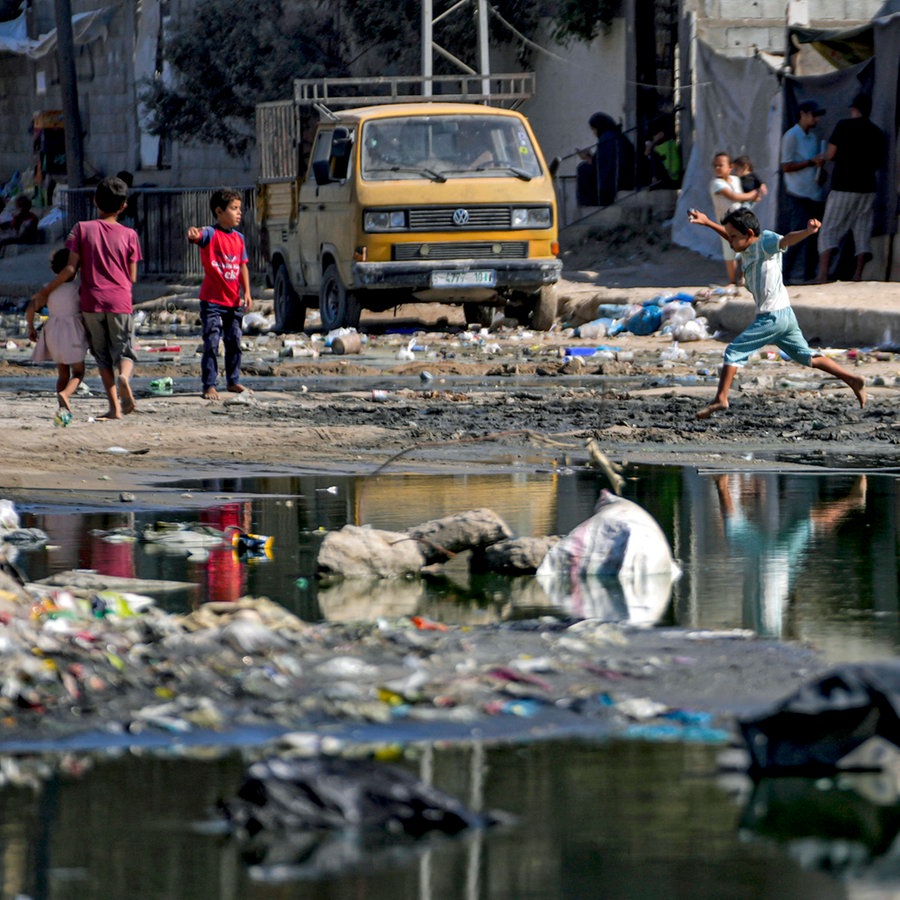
(222, 253)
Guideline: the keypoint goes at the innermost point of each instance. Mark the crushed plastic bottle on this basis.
(62, 418)
(161, 387)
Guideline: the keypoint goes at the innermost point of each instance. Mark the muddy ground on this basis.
(500, 399)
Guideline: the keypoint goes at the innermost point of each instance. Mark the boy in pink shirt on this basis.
(107, 253)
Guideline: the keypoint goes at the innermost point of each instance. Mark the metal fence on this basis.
(162, 217)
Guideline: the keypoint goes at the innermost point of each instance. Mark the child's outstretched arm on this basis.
(194, 234)
(30, 311)
(794, 237)
(695, 217)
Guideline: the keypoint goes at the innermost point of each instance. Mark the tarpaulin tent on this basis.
(744, 106)
(86, 27)
(738, 110)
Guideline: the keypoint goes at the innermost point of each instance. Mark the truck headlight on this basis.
(534, 217)
(384, 220)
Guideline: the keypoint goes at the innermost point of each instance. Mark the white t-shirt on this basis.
(721, 203)
(762, 273)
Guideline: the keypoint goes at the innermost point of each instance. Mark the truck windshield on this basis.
(450, 146)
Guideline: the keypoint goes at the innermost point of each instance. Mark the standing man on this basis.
(801, 163)
(859, 149)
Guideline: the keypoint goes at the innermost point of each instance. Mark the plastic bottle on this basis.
(161, 386)
(62, 418)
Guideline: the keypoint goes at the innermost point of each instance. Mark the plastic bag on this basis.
(692, 330)
(646, 321)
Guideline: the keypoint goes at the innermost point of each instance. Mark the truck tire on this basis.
(478, 314)
(290, 310)
(544, 309)
(338, 307)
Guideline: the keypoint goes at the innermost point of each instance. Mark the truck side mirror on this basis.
(341, 145)
(554, 166)
(322, 171)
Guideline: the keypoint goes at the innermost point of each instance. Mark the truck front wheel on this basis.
(478, 314)
(543, 312)
(290, 311)
(338, 307)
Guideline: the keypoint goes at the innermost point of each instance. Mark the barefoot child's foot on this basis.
(236, 388)
(109, 415)
(63, 401)
(210, 393)
(716, 406)
(128, 404)
(858, 386)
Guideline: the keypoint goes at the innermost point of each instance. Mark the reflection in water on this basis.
(795, 555)
(615, 820)
(846, 827)
(769, 549)
(223, 570)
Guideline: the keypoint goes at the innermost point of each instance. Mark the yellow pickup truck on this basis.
(411, 202)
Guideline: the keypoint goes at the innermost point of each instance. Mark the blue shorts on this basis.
(779, 328)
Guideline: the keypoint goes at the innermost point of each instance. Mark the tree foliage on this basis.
(226, 56)
(583, 20)
(388, 32)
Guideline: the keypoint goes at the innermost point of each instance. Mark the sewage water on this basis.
(790, 554)
(793, 555)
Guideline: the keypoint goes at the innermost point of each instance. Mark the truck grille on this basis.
(440, 218)
(479, 250)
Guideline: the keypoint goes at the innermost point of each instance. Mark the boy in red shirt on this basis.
(107, 254)
(224, 257)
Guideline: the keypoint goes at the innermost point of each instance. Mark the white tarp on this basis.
(86, 27)
(738, 110)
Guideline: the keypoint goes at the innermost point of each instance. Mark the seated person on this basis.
(23, 227)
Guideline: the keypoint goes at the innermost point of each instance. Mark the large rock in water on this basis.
(615, 566)
(362, 552)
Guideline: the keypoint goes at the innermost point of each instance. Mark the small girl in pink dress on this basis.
(63, 338)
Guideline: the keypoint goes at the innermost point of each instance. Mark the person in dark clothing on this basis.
(608, 168)
(858, 148)
(23, 227)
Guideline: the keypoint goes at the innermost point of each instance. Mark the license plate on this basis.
(473, 278)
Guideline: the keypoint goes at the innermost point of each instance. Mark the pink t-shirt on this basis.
(107, 250)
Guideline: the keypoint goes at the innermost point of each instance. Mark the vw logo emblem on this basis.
(460, 217)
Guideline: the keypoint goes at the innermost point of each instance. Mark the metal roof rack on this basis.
(499, 90)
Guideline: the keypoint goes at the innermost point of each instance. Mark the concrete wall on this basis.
(571, 85)
(743, 27)
(109, 108)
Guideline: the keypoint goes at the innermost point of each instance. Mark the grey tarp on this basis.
(738, 109)
(834, 91)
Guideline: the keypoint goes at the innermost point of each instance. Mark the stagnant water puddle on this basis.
(788, 553)
(794, 555)
(619, 820)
